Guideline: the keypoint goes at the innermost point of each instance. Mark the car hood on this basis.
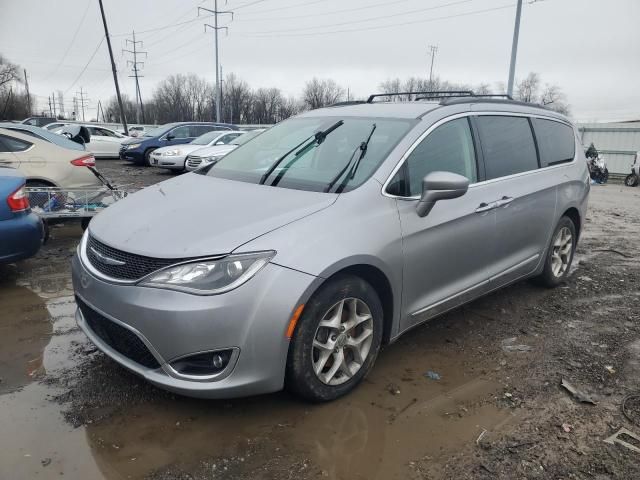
(185, 149)
(196, 215)
(129, 141)
(214, 150)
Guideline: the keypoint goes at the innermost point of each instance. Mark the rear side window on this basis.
(11, 144)
(507, 144)
(449, 148)
(556, 141)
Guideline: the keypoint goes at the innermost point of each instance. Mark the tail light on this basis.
(18, 201)
(86, 161)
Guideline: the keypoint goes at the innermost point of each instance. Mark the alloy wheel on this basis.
(561, 253)
(342, 341)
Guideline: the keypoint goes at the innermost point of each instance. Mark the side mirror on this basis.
(170, 136)
(440, 186)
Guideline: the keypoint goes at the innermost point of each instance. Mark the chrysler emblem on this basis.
(84, 280)
(106, 260)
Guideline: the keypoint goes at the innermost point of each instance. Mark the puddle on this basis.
(371, 434)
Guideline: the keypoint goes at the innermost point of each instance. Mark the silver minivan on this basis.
(291, 261)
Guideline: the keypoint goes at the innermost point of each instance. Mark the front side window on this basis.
(228, 138)
(289, 155)
(11, 144)
(449, 148)
(181, 132)
(507, 145)
(556, 141)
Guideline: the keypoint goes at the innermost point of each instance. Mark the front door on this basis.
(449, 255)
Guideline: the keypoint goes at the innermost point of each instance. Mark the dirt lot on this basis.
(497, 409)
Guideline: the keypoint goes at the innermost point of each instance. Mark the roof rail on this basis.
(428, 94)
(347, 102)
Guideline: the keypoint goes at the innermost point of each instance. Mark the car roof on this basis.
(42, 134)
(417, 109)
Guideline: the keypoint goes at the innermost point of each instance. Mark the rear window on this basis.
(11, 144)
(556, 141)
(507, 144)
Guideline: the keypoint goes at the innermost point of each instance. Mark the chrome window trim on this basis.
(456, 116)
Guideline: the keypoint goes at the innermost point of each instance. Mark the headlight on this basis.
(172, 153)
(131, 146)
(213, 158)
(209, 277)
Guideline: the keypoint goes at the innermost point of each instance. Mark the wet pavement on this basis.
(67, 411)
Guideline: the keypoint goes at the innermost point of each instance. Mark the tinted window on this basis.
(449, 148)
(182, 132)
(556, 141)
(507, 144)
(228, 138)
(11, 144)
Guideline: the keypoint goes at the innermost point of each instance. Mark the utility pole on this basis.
(82, 101)
(60, 104)
(514, 49)
(433, 49)
(215, 29)
(113, 69)
(50, 110)
(26, 85)
(53, 102)
(134, 66)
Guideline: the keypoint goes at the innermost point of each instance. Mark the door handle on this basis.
(504, 201)
(485, 207)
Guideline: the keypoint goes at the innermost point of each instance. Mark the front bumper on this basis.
(175, 162)
(251, 319)
(133, 155)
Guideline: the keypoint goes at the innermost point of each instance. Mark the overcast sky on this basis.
(590, 48)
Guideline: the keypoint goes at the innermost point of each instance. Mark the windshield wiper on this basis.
(316, 139)
(352, 173)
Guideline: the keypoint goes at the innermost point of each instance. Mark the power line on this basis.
(378, 27)
(82, 101)
(85, 67)
(249, 4)
(135, 69)
(286, 7)
(73, 40)
(371, 19)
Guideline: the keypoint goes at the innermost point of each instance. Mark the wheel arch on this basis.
(574, 216)
(378, 279)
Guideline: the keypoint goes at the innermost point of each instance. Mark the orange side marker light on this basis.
(294, 320)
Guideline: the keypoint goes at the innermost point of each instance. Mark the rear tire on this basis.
(147, 156)
(336, 341)
(559, 254)
(631, 180)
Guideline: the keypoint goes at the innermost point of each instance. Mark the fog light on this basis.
(203, 364)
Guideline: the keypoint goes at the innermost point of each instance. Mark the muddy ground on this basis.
(497, 410)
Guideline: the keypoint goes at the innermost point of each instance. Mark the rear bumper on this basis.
(21, 237)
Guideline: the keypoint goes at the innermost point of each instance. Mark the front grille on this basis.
(135, 266)
(121, 339)
(194, 161)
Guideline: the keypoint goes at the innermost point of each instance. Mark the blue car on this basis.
(138, 149)
(21, 231)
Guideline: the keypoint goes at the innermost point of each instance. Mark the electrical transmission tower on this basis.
(61, 103)
(83, 100)
(215, 29)
(135, 69)
(433, 49)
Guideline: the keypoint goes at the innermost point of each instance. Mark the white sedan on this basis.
(104, 143)
(207, 155)
(173, 156)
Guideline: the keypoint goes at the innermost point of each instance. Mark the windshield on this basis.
(158, 131)
(207, 138)
(245, 137)
(314, 168)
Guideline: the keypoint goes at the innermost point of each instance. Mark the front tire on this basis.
(631, 180)
(559, 254)
(336, 341)
(147, 156)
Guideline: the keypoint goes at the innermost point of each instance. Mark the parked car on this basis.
(21, 230)
(139, 150)
(293, 259)
(43, 134)
(632, 179)
(46, 164)
(104, 142)
(205, 156)
(39, 121)
(136, 131)
(173, 157)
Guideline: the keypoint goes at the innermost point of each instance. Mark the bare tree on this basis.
(527, 90)
(554, 98)
(320, 93)
(112, 109)
(9, 72)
